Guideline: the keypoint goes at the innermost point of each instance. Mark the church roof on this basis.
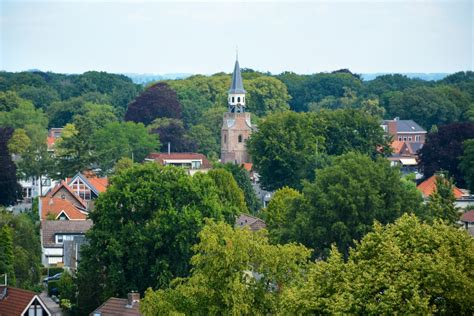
(237, 85)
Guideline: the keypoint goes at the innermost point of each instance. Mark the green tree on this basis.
(235, 272)
(277, 213)
(41, 97)
(11, 190)
(287, 148)
(466, 165)
(122, 139)
(23, 115)
(229, 192)
(340, 205)
(266, 95)
(242, 178)
(205, 141)
(7, 257)
(26, 249)
(19, 142)
(408, 267)
(441, 203)
(122, 164)
(144, 227)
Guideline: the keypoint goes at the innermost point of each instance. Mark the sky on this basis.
(132, 36)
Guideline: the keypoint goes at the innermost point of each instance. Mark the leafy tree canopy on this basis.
(144, 227)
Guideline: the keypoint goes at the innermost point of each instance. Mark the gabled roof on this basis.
(468, 217)
(95, 184)
(414, 147)
(50, 228)
(56, 206)
(117, 307)
(428, 186)
(237, 85)
(16, 301)
(63, 184)
(162, 157)
(253, 222)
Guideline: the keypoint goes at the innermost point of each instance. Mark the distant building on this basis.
(19, 302)
(120, 306)
(53, 235)
(404, 130)
(192, 162)
(468, 219)
(236, 127)
(427, 187)
(246, 220)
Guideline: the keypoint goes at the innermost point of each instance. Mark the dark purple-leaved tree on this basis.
(10, 190)
(443, 149)
(157, 101)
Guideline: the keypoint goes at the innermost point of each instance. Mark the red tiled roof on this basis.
(428, 186)
(16, 301)
(247, 166)
(57, 205)
(468, 217)
(50, 142)
(117, 307)
(161, 157)
(397, 146)
(100, 184)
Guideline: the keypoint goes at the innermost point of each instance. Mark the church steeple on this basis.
(236, 91)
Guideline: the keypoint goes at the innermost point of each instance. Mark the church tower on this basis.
(236, 128)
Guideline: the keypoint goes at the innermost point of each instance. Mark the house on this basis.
(53, 134)
(54, 233)
(246, 220)
(62, 203)
(87, 186)
(19, 302)
(404, 130)
(193, 162)
(120, 306)
(468, 219)
(427, 187)
(72, 253)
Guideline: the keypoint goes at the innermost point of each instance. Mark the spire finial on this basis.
(237, 53)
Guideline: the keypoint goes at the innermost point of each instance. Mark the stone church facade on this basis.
(236, 126)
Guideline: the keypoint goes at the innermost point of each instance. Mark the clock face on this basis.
(230, 122)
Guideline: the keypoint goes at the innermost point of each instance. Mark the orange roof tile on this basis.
(50, 142)
(428, 186)
(100, 184)
(55, 206)
(397, 146)
(247, 166)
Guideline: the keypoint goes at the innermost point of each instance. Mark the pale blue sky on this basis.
(200, 37)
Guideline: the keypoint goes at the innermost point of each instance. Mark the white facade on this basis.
(34, 187)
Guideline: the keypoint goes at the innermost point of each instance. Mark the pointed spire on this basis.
(237, 85)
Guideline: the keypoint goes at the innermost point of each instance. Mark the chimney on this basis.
(133, 297)
(169, 148)
(392, 127)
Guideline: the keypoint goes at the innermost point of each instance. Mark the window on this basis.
(240, 138)
(417, 138)
(225, 139)
(81, 189)
(399, 138)
(410, 139)
(233, 100)
(195, 164)
(404, 138)
(243, 99)
(238, 99)
(63, 196)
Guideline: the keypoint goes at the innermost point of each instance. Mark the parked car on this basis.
(55, 277)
